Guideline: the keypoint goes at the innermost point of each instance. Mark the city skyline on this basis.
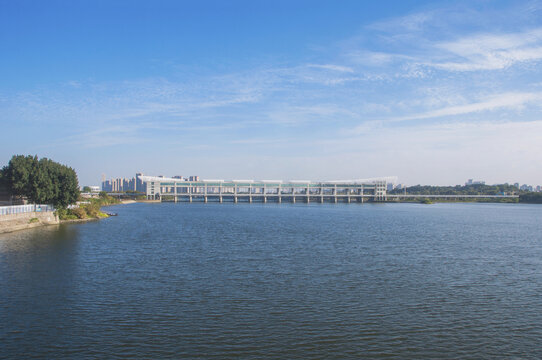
(114, 184)
(431, 93)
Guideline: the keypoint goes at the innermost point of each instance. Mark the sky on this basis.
(430, 92)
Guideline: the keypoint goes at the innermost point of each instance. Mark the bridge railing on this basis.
(21, 209)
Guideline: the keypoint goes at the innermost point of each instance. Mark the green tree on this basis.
(532, 197)
(86, 189)
(2, 179)
(41, 181)
(17, 174)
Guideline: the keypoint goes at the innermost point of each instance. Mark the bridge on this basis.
(347, 191)
(344, 191)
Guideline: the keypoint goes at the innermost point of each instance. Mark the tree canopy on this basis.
(533, 198)
(476, 189)
(41, 181)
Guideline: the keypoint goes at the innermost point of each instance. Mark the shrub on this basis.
(61, 213)
(79, 212)
(93, 209)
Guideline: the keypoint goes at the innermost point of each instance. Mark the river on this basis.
(289, 281)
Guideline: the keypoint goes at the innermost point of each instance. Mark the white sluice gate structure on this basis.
(176, 190)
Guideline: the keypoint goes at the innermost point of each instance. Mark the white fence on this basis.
(20, 209)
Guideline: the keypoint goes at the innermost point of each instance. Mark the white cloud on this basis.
(355, 102)
(316, 114)
(495, 102)
(446, 153)
(332, 67)
(491, 51)
(408, 23)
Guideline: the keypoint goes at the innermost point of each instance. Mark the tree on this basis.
(532, 197)
(17, 174)
(87, 189)
(41, 181)
(2, 179)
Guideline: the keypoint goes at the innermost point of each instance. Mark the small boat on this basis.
(111, 214)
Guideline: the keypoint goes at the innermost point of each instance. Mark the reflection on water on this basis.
(277, 281)
(37, 274)
(21, 240)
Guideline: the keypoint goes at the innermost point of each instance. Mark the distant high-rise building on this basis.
(107, 185)
(140, 186)
(133, 184)
(119, 185)
(116, 184)
(472, 182)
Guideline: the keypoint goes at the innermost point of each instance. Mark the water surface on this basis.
(277, 281)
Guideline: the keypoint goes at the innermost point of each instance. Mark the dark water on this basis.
(278, 281)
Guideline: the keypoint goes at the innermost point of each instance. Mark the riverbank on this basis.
(85, 213)
(90, 209)
(23, 221)
(71, 221)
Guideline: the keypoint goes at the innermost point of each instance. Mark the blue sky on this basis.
(432, 92)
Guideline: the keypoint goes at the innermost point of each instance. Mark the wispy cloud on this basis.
(332, 67)
(435, 73)
(491, 51)
(406, 24)
(438, 38)
(491, 103)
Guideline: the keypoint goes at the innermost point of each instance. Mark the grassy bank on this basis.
(92, 210)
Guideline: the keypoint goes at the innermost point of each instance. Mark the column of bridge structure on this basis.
(264, 191)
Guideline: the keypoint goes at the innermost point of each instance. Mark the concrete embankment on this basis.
(15, 222)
